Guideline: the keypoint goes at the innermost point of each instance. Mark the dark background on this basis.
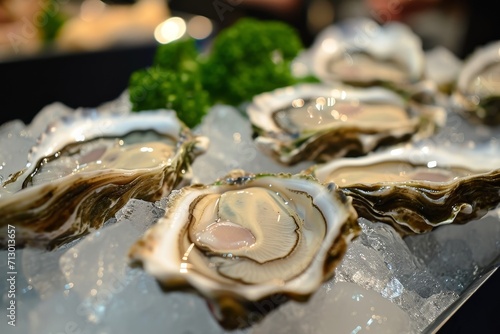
(77, 80)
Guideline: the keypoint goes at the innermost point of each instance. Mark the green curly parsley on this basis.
(245, 59)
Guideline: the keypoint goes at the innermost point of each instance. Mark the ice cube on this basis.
(97, 268)
(339, 307)
(380, 260)
(15, 144)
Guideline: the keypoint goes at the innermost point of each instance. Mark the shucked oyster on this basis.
(87, 166)
(247, 238)
(362, 52)
(477, 93)
(319, 122)
(416, 190)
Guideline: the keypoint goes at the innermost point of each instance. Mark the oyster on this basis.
(416, 190)
(247, 238)
(442, 67)
(362, 52)
(477, 93)
(319, 122)
(85, 167)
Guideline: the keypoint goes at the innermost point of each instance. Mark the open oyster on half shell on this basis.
(86, 166)
(320, 122)
(477, 92)
(417, 189)
(247, 239)
(362, 52)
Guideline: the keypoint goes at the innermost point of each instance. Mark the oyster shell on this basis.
(442, 67)
(416, 190)
(362, 52)
(247, 238)
(477, 93)
(85, 167)
(319, 122)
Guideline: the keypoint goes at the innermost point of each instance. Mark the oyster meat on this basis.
(417, 189)
(247, 238)
(477, 93)
(320, 122)
(85, 167)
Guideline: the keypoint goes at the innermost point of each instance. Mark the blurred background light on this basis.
(199, 27)
(170, 30)
(91, 10)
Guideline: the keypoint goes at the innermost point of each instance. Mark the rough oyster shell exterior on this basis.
(319, 222)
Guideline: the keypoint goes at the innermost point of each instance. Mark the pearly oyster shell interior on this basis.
(320, 122)
(416, 190)
(87, 166)
(249, 237)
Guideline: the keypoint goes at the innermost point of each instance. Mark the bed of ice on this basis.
(384, 284)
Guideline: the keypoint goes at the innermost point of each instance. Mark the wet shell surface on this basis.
(85, 167)
(362, 52)
(248, 238)
(320, 122)
(417, 189)
(477, 93)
